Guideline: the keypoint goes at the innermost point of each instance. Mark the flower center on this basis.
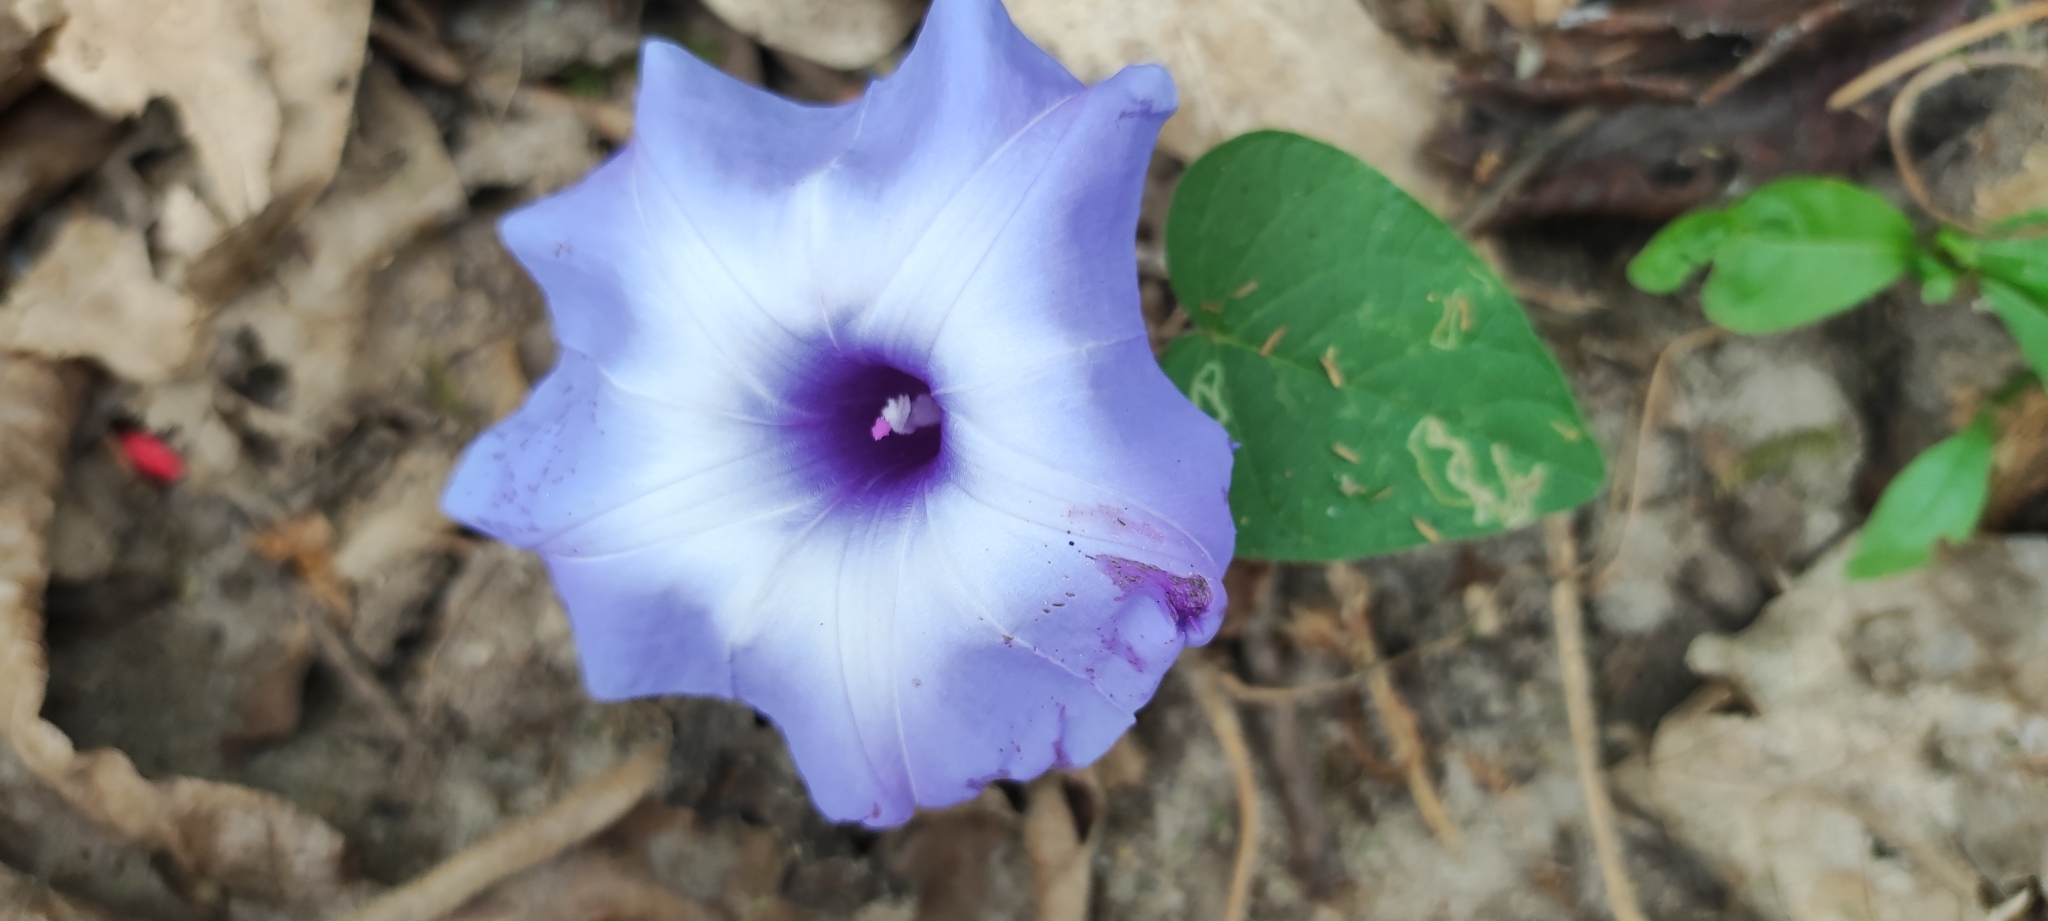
(905, 414)
(873, 430)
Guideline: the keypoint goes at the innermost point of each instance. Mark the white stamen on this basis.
(897, 413)
(903, 415)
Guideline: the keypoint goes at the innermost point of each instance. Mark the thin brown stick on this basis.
(1059, 847)
(421, 18)
(347, 661)
(1354, 597)
(590, 809)
(1926, 52)
(1774, 49)
(423, 53)
(1534, 156)
(1653, 399)
(1317, 690)
(1230, 734)
(1568, 615)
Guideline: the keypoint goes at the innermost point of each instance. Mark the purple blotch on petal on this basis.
(1187, 598)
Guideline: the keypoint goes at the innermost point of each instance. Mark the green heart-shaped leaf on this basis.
(1384, 387)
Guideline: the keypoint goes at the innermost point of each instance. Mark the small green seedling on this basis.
(1798, 251)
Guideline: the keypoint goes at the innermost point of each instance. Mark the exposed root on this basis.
(1315, 691)
(1058, 834)
(1569, 616)
(1354, 596)
(337, 653)
(1230, 734)
(1653, 407)
(526, 843)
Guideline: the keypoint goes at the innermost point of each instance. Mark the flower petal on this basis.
(633, 286)
(582, 449)
(739, 279)
(880, 648)
(968, 88)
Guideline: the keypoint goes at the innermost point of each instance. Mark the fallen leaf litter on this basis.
(305, 309)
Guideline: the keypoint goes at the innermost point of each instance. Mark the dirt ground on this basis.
(260, 233)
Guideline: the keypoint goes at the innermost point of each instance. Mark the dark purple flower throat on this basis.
(873, 428)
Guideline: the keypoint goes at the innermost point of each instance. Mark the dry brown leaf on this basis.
(24, 26)
(847, 34)
(307, 543)
(252, 843)
(37, 404)
(310, 316)
(93, 295)
(1906, 710)
(22, 898)
(262, 87)
(1319, 67)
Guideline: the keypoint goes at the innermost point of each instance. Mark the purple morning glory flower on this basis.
(855, 419)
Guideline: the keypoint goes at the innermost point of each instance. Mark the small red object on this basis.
(157, 461)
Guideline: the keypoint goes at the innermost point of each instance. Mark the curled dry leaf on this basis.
(1910, 711)
(252, 843)
(23, 26)
(262, 87)
(847, 34)
(310, 316)
(93, 295)
(1319, 67)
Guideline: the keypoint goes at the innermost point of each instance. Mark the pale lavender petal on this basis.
(856, 420)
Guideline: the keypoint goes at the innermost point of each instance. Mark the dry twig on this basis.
(306, 545)
(1530, 160)
(1230, 734)
(1059, 844)
(1317, 690)
(526, 843)
(1653, 399)
(1278, 732)
(420, 51)
(347, 661)
(1569, 617)
(1775, 48)
(1920, 55)
(1354, 599)
(1907, 104)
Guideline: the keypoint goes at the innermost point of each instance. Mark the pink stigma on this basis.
(880, 429)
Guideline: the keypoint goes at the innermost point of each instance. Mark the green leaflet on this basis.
(1938, 497)
(1384, 386)
(1790, 253)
